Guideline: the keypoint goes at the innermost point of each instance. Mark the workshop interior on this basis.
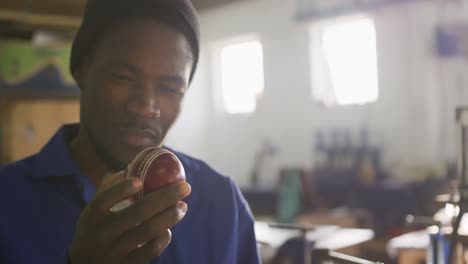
(344, 123)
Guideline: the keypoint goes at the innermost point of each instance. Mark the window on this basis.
(241, 75)
(344, 56)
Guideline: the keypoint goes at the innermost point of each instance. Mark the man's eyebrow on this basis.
(173, 79)
(124, 65)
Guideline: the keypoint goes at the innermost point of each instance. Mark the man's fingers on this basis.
(104, 200)
(150, 250)
(149, 206)
(166, 196)
(150, 229)
(111, 179)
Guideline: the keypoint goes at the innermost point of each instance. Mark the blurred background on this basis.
(337, 114)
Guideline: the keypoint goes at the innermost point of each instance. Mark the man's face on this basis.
(133, 86)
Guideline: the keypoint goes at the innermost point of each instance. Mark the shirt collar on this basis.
(55, 159)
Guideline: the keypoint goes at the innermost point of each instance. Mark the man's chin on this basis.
(127, 152)
(138, 143)
(126, 147)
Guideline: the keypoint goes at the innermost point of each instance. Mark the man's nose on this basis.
(144, 102)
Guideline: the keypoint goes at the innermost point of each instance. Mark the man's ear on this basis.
(80, 74)
(77, 76)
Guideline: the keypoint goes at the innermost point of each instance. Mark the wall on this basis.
(409, 121)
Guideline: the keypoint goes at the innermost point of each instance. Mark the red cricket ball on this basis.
(155, 167)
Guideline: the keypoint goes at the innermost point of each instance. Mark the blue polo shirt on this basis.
(42, 196)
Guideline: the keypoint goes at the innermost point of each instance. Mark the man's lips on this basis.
(137, 137)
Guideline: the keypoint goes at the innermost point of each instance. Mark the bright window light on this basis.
(241, 76)
(350, 56)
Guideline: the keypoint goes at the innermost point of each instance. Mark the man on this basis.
(133, 60)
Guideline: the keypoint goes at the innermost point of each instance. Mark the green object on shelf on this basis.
(20, 61)
(289, 195)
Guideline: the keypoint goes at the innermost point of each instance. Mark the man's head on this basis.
(133, 60)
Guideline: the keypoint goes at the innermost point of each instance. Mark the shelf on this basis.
(40, 94)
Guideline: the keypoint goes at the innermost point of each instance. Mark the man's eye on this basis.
(171, 90)
(120, 77)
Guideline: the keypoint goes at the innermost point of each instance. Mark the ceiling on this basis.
(75, 7)
(18, 18)
(207, 4)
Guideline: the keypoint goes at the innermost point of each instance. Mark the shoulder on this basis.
(213, 184)
(200, 171)
(16, 172)
(208, 178)
(16, 185)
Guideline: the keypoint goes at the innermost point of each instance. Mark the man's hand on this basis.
(135, 234)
